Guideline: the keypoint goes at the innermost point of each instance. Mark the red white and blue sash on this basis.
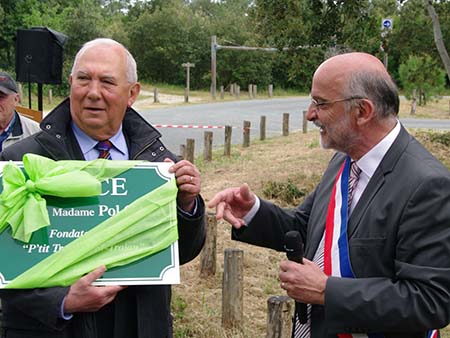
(433, 334)
(336, 252)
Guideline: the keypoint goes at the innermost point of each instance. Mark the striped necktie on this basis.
(303, 330)
(103, 148)
(352, 182)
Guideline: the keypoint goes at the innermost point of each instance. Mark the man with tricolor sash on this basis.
(375, 230)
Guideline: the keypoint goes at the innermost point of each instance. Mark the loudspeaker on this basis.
(39, 55)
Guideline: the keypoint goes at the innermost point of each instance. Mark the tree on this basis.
(163, 39)
(438, 36)
(421, 75)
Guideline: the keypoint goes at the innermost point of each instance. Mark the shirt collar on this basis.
(372, 159)
(87, 143)
(9, 128)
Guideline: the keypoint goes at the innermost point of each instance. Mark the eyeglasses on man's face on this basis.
(320, 105)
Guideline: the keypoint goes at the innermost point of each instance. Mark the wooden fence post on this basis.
(207, 149)
(285, 124)
(50, 96)
(250, 91)
(270, 90)
(190, 147)
(182, 151)
(246, 142)
(208, 254)
(227, 144)
(305, 122)
(232, 288)
(262, 128)
(221, 92)
(279, 317)
(255, 91)
(238, 91)
(155, 95)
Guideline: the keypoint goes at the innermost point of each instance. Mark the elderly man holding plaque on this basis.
(97, 121)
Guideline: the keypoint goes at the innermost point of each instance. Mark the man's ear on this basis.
(16, 99)
(134, 93)
(365, 112)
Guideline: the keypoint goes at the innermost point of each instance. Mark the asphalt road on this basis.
(233, 113)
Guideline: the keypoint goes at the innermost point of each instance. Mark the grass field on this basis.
(296, 162)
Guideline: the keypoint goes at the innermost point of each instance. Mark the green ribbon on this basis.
(145, 227)
(21, 203)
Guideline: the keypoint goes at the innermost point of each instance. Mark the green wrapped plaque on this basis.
(129, 225)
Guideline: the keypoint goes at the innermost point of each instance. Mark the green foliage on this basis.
(179, 306)
(163, 34)
(287, 192)
(164, 39)
(442, 138)
(422, 75)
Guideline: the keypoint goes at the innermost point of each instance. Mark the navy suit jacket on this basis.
(399, 243)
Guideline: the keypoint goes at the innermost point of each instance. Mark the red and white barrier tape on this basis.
(187, 126)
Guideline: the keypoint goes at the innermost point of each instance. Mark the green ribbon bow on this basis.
(21, 204)
(143, 228)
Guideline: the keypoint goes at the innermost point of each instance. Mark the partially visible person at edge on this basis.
(103, 86)
(13, 126)
(386, 271)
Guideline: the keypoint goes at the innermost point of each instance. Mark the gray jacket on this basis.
(23, 127)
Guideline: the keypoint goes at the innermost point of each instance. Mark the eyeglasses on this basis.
(319, 105)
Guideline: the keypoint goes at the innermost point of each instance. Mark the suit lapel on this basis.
(319, 211)
(386, 166)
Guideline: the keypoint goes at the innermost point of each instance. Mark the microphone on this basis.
(294, 251)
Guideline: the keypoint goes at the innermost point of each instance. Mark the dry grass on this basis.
(435, 109)
(298, 157)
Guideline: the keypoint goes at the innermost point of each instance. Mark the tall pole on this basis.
(213, 66)
(188, 66)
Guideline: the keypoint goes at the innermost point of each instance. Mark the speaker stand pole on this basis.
(29, 94)
(40, 97)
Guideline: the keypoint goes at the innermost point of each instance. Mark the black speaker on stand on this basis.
(39, 58)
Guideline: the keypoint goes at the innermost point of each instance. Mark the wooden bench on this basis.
(35, 115)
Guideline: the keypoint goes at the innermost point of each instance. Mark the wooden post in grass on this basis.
(305, 122)
(222, 94)
(262, 128)
(207, 149)
(279, 317)
(188, 66)
(208, 254)
(190, 147)
(227, 144)
(246, 131)
(285, 124)
(233, 289)
(270, 90)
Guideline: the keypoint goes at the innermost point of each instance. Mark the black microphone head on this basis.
(293, 245)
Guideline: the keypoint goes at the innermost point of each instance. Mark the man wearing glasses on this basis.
(375, 230)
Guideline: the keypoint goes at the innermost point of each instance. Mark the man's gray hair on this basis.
(131, 69)
(377, 87)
